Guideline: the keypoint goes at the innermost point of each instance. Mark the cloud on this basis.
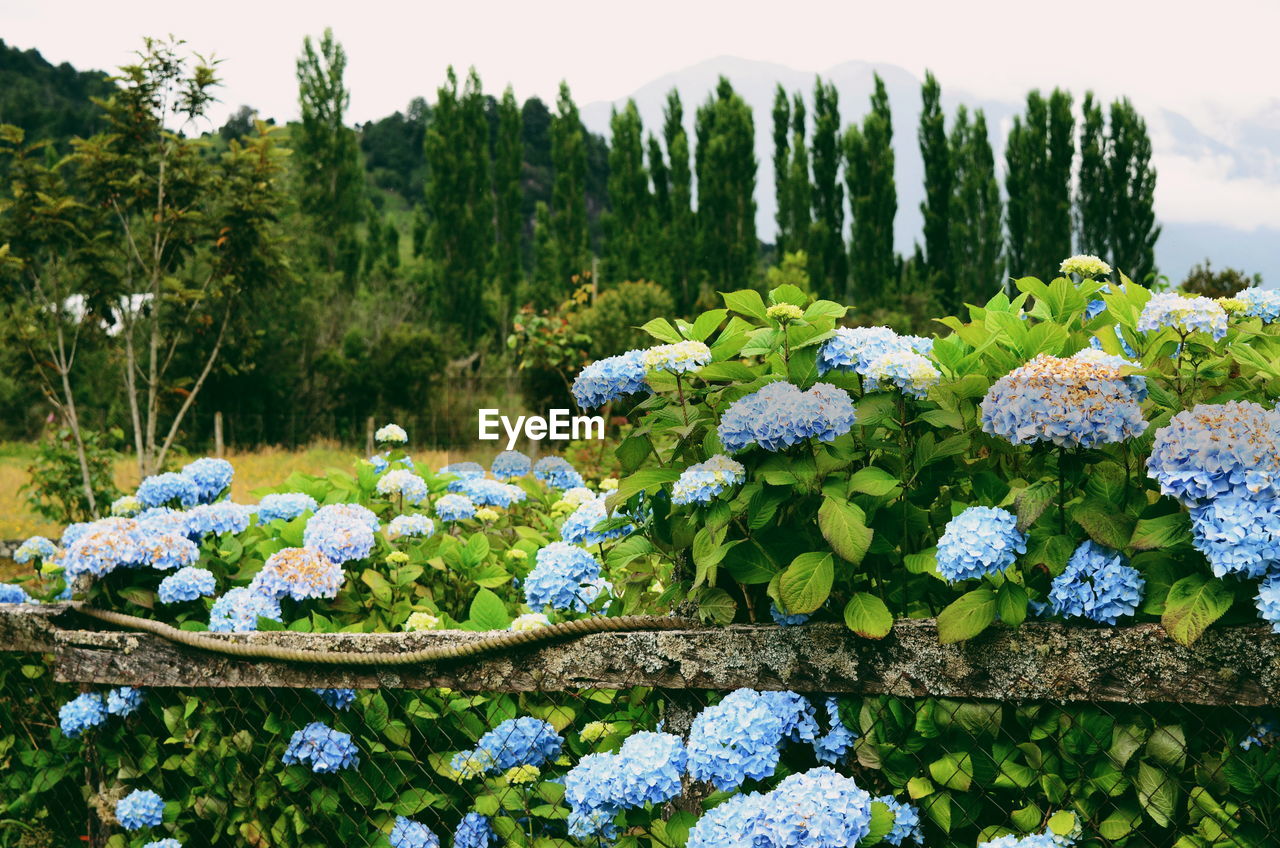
(1207, 188)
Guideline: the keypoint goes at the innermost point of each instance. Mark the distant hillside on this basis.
(48, 101)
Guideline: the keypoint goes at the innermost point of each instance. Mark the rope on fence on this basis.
(440, 653)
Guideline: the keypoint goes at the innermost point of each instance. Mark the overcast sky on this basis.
(1200, 59)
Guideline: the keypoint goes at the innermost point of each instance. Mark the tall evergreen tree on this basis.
(659, 249)
(1039, 155)
(799, 189)
(628, 224)
(1131, 186)
(508, 157)
(782, 167)
(1092, 213)
(568, 191)
(939, 189)
(681, 225)
(327, 157)
(725, 165)
(977, 236)
(459, 198)
(873, 200)
(828, 261)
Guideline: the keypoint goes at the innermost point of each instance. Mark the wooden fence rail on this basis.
(1038, 661)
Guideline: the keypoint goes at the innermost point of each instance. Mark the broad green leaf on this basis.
(873, 481)
(967, 616)
(844, 527)
(867, 615)
(1193, 604)
(805, 585)
(661, 329)
(1011, 603)
(1166, 531)
(716, 606)
(488, 612)
(745, 302)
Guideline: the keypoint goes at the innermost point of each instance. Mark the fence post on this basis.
(217, 434)
(368, 436)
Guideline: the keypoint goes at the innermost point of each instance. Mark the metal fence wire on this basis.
(1143, 774)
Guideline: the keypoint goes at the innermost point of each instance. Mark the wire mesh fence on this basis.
(274, 766)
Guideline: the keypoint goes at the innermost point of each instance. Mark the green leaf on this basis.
(882, 821)
(746, 302)
(1158, 793)
(661, 329)
(1105, 524)
(844, 527)
(1167, 745)
(377, 584)
(1011, 603)
(954, 771)
(1167, 531)
(707, 323)
(867, 615)
(787, 293)
(1193, 604)
(805, 585)
(967, 616)
(716, 606)
(488, 612)
(648, 480)
(873, 481)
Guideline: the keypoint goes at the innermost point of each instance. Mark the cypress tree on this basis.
(828, 262)
(508, 197)
(1038, 156)
(681, 225)
(1131, 185)
(782, 167)
(568, 192)
(725, 165)
(873, 199)
(939, 188)
(1092, 224)
(658, 249)
(977, 237)
(627, 227)
(799, 190)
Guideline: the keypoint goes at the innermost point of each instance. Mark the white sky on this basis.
(1200, 60)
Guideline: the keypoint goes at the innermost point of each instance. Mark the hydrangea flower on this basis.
(76, 531)
(140, 808)
(338, 699)
(37, 547)
(564, 578)
(730, 824)
(422, 621)
(522, 775)
(779, 415)
(485, 492)
(580, 527)
(1268, 601)
(239, 609)
(165, 488)
(126, 507)
(591, 789)
(557, 473)
(187, 584)
(1136, 382)
(402, 483)
(211, 477)
(855, 348)
(86, 710)
(1261, 303)
(912, 373)
(784, 313)
(299, 573)
(647, 770)
(786, 619)
(99, 548)
(326, 750)
(123, 700)
(1262, 733)
(979, 541)
(463, 471)
(164, 843)
(217, 518)
(11, 593)
(737, 739)
(337, 513)
(1071, 403)
(162, 519)
(510, 464)
(523, 741)
(474, 831)
(1035, 840)
(339, 536)
(818, 808)
(285, 507)
(701, 482)
(1212, 450)
(609, 379)
(906, 822)
(1086, 266)
(1098, 584)
(455, 508)
(834, 745)
(1185, 315)
(529, 621)
(167, 551)
(1238, 535)
(678, 358)
(390, 434)
(411, 525)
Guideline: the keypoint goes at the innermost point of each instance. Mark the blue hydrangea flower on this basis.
(86, 710)
(911, 373)
(1213, 450)
(579, 527)
(391, 434)
(164, 843)
(11, 593)
(1035, 840)
(140, 808)
(167, 551)
(818, 808)
(211, 476)
(285, 507)
(592, 789)
(650, 768)
(678, 358)
(455, 508)
(979, 541)
(463, 471)
(407, 833)
(167, 488)
(239, 609)
(834, 745)
(187, 584)
(474, 831)
(1261, 303)
(523, 741)
(557, 473)
(786, 619)
(299, 573)
(1071, 403)
(565, 578)
(123, 700)
(737, 739)
(341, 539)
(346, 512)
(402, 483)
(1263, 733)
(218, 518)
(162, 519)
(33, 548)
(701, 482)
(1183, 314)
(609, 379)
(485, 492)
(510, 464)
(338, 699)
(730, 824)
(325, 749)
(906, 822)
(1238, 535)
(411, 525)
(1136, 382)
(1098, 584)
(1268, 601)
(104, 545)
(779, 415)
(76, 531)
(855, 348)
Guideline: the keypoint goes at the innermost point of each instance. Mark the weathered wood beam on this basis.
(29, 628)
(1039, 661)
